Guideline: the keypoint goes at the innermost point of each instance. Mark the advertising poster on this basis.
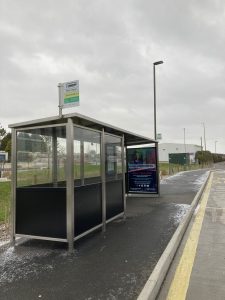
(142, 170)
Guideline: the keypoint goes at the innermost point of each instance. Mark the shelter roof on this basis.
(79, 119)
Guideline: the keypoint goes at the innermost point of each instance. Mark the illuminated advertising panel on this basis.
(142, 170)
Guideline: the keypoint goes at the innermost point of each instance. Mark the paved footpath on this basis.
(198, 270)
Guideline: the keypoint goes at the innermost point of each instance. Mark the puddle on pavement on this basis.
(201, 179)
(16, 263)
(181, 211)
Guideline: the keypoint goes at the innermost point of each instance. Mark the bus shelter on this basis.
(68, 176)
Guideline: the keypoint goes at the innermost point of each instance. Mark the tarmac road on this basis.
(113, 265)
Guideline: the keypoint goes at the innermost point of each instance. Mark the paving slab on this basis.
(207, 272)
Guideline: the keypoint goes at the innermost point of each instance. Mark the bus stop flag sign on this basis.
(69, 94)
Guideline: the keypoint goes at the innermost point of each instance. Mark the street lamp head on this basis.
(158, 62)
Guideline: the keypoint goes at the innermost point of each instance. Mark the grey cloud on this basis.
(110, 47)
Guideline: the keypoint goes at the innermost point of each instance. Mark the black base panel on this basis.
(88, 207)
(41, 212)
(114, 198)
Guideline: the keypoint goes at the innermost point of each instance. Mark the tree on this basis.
(218, 157)
(2, 132)
(204, 157)
(5, 141)
(8, 148)
(6, 144)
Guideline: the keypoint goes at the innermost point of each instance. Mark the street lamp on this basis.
(154, 84)
(215, 146)
(204, 134)
(185, 150)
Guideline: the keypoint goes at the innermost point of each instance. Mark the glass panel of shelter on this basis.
(88, 187)
(41, 183)
(41, 156)
(114, 176)
(113, 157)
(87, 145)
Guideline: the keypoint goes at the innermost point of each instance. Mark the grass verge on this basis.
(5, 192)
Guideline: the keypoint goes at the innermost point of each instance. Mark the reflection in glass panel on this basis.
(41, 156)
(92, 166)
(113, 156)
(61, 159)
(87, 150)
(77, 159)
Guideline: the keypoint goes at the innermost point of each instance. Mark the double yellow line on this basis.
(180, 283)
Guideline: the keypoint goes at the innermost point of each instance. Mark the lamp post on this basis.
(201, 152)
(203, 124)
(185, 150)
(215, 146)
(154, 84)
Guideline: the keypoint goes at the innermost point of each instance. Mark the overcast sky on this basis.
(110, 47)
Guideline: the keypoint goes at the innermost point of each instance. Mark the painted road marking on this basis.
(180, 283)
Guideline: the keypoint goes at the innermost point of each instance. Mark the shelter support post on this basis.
(157, 166)
(70, 184)
(103, 180)
(54, 158)
(82, 162)
(13, 187)
(124, 177)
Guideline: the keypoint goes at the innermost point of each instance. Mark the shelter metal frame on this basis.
(71, 122)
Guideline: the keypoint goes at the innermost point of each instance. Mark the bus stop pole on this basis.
(60, 86)
(70, 184)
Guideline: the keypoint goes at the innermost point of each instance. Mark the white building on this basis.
(3, 156)
(166, 148)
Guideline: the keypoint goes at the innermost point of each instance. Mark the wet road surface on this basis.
(113, 265)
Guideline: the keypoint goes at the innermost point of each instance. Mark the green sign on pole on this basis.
(159, 136)
(68, 94)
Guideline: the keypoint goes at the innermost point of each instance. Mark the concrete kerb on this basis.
(153, 284)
